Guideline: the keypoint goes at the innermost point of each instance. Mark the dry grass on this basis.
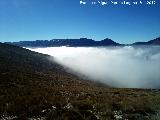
(31, 85)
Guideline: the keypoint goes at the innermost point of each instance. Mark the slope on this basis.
(32, 85)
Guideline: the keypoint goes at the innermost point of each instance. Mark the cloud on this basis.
(131, 67)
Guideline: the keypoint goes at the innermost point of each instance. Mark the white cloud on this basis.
(120, 67)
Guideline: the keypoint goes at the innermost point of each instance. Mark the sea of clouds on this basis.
(129, 67)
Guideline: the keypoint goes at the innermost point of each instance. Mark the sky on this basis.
(25, 20)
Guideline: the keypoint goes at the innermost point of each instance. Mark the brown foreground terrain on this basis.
(34, 87)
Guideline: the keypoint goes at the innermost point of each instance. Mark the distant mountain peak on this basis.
(155, 41)
(66, 42)
(82, 42)
(108, 41)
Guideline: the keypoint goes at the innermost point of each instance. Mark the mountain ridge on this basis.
(82, 42)
(65, 42)
(155, 41)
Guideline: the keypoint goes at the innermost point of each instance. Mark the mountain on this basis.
(154, 42)
(82, 42)
(65, 42)
(151, 42)
(34, 86)
(31, 83)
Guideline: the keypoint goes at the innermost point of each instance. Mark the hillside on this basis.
(32, 85)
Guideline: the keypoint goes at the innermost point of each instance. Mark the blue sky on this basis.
(47, 19)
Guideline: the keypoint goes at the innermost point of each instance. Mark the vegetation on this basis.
(33, 86)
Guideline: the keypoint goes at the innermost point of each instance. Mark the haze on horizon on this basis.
(23, 20)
